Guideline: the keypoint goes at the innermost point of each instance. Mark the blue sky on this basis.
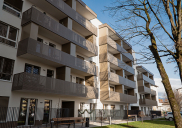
(98, 6)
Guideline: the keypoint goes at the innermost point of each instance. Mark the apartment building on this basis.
(147, 90)
(57, 54)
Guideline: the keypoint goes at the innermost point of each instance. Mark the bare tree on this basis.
(150, 23)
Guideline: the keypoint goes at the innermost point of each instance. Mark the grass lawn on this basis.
(146, 124)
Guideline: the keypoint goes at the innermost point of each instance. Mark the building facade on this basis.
(57, 54)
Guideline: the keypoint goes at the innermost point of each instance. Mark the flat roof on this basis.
(143, 69)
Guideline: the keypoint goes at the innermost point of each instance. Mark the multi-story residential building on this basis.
(57, 54)
(147, 96)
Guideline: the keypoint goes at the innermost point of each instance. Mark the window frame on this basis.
(10, 7)
(12, 68)
(7, 35)
(32, 68)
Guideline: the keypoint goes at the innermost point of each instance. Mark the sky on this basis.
(98, 7)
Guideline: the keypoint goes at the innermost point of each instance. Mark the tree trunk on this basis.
(166, 83)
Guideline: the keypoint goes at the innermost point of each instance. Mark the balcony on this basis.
(84, 10)
(145, 78)
(147, 102)
(116, 63)
(117, 97)
(54, 29)
(115, 48)
(153, 92)
(117, 80)
(144, 90)
(39, 52)
(63, 7)
(41, 84)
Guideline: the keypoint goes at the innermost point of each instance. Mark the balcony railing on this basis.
(143, 89)
(120, 63)
(33, 47)
(147, 102)
(153, 92)
(109, 57)
(117, 79)
(117, 97)
(34, 15)
(36, 83)
(112, 43)
(143, 77)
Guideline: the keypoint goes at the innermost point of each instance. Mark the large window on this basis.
(8, 34)
(13, 6)
(32, 69)
(6, 68)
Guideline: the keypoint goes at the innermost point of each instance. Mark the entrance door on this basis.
(27, 111)
(68, 108)
(47, 107)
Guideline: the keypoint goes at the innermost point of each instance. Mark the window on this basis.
(111, 88)
(39, 39)
(32, 69)
(8, 34)
(70, 78)
(80, 57)
(50, 73)
(79, 80)
(82, 105)
(52, 45)
(112, 107)
(92, 106)
(6, 68)
(125, 91)
(13, 6)
(105, 106)
(4, 108)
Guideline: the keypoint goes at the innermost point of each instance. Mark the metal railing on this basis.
(147, 79)
(34, 15)
(37, 83)
(39, 49)
(117, 97)
(148, 102)
(143, 89)
(30, 117)
(120, 63)
(116, 78)
(11, 10)
(113, 44)
(62, 6)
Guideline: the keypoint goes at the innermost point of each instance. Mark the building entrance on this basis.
(68, 108)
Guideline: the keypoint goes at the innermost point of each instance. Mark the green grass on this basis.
(145, 124)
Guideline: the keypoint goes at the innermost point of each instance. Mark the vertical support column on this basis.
(67, 22)
(34, 31)
(69, 48)
(71, 3)
(63, 73)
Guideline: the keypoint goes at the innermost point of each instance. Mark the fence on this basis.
(33, 117)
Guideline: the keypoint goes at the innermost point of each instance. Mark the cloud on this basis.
(175, 83)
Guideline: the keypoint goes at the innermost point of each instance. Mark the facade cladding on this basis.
(57, 53)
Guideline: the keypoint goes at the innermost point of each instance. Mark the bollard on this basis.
(110, 121)
(52, 123)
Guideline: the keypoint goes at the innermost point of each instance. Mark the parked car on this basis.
(169, 116)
